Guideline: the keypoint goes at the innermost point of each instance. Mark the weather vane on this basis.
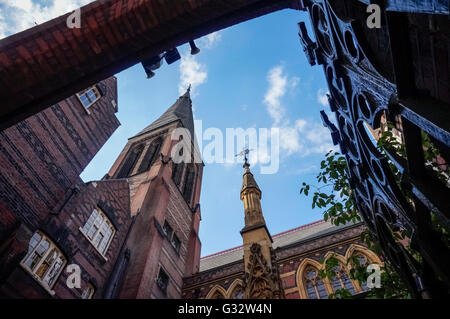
(244, 153)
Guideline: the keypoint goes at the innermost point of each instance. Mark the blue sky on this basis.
(251, 75)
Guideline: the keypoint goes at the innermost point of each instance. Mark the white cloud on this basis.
(290, 140)
(322, 97)
(3, 25)
(277, 89)
(303, 136)
(19, 15)
(192, 73)
(210, 41)
(293, 82)
(20, 4)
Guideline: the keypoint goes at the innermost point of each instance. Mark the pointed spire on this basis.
(180, 110)
(248, 180)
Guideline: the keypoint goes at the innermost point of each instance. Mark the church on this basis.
(134, 233)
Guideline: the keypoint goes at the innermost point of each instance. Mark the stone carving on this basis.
(262, 280)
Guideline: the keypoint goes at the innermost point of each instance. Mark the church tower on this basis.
(261, 278)
(163, 245)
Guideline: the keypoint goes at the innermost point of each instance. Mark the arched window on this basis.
(363, 261)
(314, 286)
(341, 280)
(177, 173)
(217, 295)
(189, 182)
(217, 292)
(365, 257)
(130, 162)
(236, 291)
(151, 155)
(238, 294)
(43, 260)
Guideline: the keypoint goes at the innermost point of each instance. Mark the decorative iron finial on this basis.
(189, 88)
(245, 152)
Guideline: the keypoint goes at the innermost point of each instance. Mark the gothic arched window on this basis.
(237, 291)
(177, 173)
(361, 256)
(151, 155)
(363, 261)
(218, 295)
(130, 162)
(341, 280)
(314, 286)
(189, 182)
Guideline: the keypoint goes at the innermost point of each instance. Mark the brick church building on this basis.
(134, 233)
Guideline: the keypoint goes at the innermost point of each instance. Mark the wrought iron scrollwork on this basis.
(359, 96)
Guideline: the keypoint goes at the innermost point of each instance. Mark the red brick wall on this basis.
(288, 261)
(64, 230)
(157, 199)
(41, 159)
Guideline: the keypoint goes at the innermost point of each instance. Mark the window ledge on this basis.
(39, 281)
(90, 241)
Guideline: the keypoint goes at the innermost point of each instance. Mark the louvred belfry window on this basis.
(177, 173)
(189, 182)
(130, 162)
(151, 155)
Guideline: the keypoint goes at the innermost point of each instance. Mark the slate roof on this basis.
(180, 110)
(290, 237)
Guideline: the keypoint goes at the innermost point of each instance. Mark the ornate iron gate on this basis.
(361, 90)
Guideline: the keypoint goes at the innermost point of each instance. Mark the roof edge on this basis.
(229, 250)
